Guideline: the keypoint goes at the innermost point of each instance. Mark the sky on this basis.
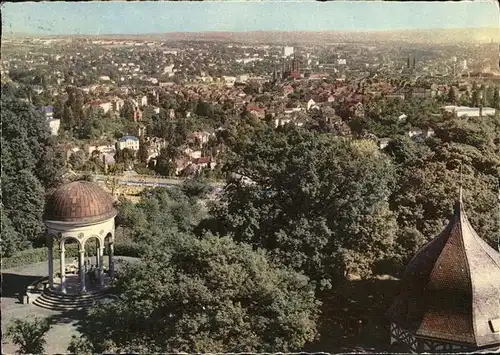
(94, 18)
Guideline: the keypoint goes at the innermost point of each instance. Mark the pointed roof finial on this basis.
(460, 190)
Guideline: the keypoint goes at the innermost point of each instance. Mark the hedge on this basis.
(37, 255)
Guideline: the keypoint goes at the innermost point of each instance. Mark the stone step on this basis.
(76, 296)
(47, 304)
(60, 307)
(54, 300)
(59, 302)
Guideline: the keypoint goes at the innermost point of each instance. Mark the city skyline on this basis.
(99, 18)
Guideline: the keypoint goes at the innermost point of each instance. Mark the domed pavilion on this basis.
(83, 212)
(450, 297)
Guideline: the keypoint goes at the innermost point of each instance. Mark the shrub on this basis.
(37, 255)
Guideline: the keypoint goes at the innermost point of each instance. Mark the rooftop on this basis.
(79, 201)
(451, 288)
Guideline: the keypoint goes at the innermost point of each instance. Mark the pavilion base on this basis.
(416, 344)
(73, 286)
(73, 299)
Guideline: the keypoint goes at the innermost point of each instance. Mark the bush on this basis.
(37, 255)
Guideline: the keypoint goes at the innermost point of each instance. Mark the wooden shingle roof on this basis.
(451, 288)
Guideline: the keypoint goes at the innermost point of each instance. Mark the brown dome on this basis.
(79, 201)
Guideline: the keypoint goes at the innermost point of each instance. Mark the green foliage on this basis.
(196, 188)
(38, 255)
(209, 295)
(315, 201)
(77, 159)
(78, 345)
(28, 334)
(127, 111)
(31, 163)
(23, 197)
(158, 210)
(11, 240)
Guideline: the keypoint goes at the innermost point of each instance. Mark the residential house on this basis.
(47, 112)
(106, 106)
(130, 142)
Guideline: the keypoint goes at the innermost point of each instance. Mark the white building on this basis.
(311, 104)
(462, 111)
(341, 61)
(129, 142)
(54, 125)
(242, 78)
(104, 78)
(463, 65)
(229, 80)
(168, 69)
(287, 51)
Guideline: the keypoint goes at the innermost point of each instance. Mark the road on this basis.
(139, 180)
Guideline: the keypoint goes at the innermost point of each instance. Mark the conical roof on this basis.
(451, 288)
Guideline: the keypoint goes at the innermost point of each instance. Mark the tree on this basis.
(209, 295)
(11, 241)
(312, 200)
(452, 97)
(29, 334)
(31, 165)
(196, 188)
(127, 111)
(23, 198)
(496, 99)
(143, 153)
(165, 163)
(125, 156)
(77, 159)
(68, 119)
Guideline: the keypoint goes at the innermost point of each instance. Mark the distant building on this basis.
(104, 105)
(130, 142)
(463, 65)
(229, 80)
(47, 112)
(117, 104)
(287, 51)
(242, 78)
(465, 111)
(168, 69)
(54, 125)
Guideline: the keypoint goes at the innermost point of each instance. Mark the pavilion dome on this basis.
(81, 202)
(451, 289)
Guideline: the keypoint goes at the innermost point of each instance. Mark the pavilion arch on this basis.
(64, 242)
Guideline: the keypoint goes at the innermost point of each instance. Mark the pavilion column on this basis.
(63, 268)
(50, 255)
(111, 260)
(101, 265)
(81, 268)
(97, 259)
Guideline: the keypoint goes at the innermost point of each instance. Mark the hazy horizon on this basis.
(154, 18)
